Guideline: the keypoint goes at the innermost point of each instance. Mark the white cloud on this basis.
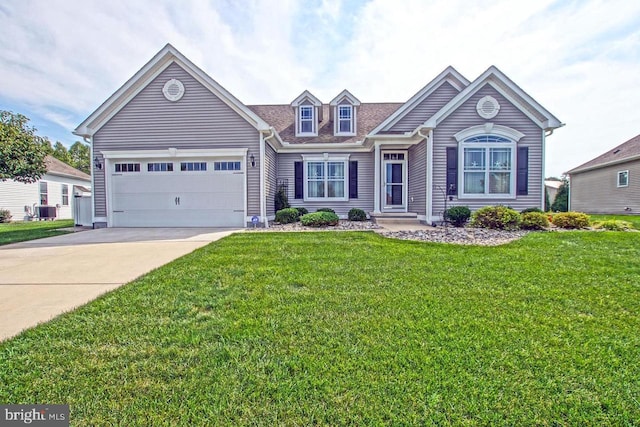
(60, 59)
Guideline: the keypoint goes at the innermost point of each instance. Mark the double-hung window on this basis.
(306, 119)
(326, 179)
(623, 178)
(345, 119)
(44, 193)
(65, 195)
(488, 166)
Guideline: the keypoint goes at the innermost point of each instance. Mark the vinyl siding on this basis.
(466, 116)
(418, 178)
(365, 184)
(14, 195)
(270, 178)
(200, 120)
(597, 191)
(427, 108)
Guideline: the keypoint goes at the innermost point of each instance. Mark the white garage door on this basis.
(185, 193)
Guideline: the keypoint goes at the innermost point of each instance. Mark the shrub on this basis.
(612, 225)
(571, 220)
(531, 210)
(286, 216)
(302, 211)
(356, 214)
(326, 210)
(319, 219)
(496, 218)
(457, 215)
(534, 221)
(281, 201)
(5, 215)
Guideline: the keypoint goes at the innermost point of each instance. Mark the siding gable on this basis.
(427, 108)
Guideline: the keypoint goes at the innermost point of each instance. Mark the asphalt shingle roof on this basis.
(626, 150)
(58, 167)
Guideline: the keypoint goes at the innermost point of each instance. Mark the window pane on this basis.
(336, 170)
(499, 183)
(306, 126)
(336, 188)
(306, 113)
(315, 189)
(315, 170)
(623, 179)
(500, 158)
(344, 126)
(474, 182)
(474, 158)
(344, 112)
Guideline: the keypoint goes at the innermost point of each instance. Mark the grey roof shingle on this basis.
(58, 167)
(622, 152)
(282, 118)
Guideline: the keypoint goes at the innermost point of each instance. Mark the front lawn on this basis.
(633, 219)
(352, 329)
(13, 232)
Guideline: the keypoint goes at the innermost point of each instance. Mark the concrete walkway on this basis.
(41, 279)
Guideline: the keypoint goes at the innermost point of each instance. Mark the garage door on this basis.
(185, 193)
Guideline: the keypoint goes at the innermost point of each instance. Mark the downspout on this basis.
(428, 172)
(263, 202)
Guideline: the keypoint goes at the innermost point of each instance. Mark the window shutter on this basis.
(353, 180)
(523, 171)
(452, 171)
(299, 180)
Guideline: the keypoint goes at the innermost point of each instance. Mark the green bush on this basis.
(5, 215)
(533, 220)
(286, 216)
(496, 218)
(531, 210)
(326, 210)
(613, 225)
(302, 211)
(281, 201)
(457, 215)
(356, 214)
(319, 219)
(571, 220)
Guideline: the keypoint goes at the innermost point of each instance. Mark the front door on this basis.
(394, 188)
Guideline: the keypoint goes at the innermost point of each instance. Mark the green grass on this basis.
(13, 232)
(352, 329)
(633, 219)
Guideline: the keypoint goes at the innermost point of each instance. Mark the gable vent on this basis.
(173, 90)
(488, 107)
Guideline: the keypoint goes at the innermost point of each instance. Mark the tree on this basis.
(561, 202)
(80, 157)
(61, 153)
(22, 152)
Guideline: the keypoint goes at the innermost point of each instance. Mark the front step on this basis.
(396, 219)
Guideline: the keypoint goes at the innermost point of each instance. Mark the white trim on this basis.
(405, 178)
(313, 120)
(376, 179)
(618, 179)
(487, 171)
(175, 153)
(306, 95)
(336, 120)
(345, 94)
(429, 174)
(543, 172)
(263, 207)
(489, 129)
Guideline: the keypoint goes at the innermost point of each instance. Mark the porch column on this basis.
(376, 178)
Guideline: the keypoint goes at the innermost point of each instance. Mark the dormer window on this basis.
(344, 114)
(306, 119)
(345, 119)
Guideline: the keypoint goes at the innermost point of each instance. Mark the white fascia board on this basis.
(449, 74)
(603, 165)
(345, 94)
(306, 95)
(174, 153)
(65, 175)
(146, 75)
(319, 147)
(489, 128)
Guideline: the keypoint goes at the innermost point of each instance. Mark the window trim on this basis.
(325, 159)
(45, 193)
(65, 194)
(151, 167)
(135, 166)
(227, 163)
(352, 120)
(487, 146)
(619, 174)
(314, 128)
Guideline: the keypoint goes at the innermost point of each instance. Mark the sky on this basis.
(60, 59)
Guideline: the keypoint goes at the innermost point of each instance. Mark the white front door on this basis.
(394, 189)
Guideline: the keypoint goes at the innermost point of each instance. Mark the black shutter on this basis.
(299, 180)
(452, 171)
(353, 180)
(523, 171)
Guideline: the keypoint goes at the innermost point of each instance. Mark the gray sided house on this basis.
(609, 183)
(174, 148)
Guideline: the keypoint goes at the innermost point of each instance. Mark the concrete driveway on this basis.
(43, 278)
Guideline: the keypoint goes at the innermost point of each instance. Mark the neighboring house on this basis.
(55, 189)
(610, 183)
(174, 148)
(552, 187)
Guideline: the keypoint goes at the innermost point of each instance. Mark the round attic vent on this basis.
(173, 90)
(488, 107)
